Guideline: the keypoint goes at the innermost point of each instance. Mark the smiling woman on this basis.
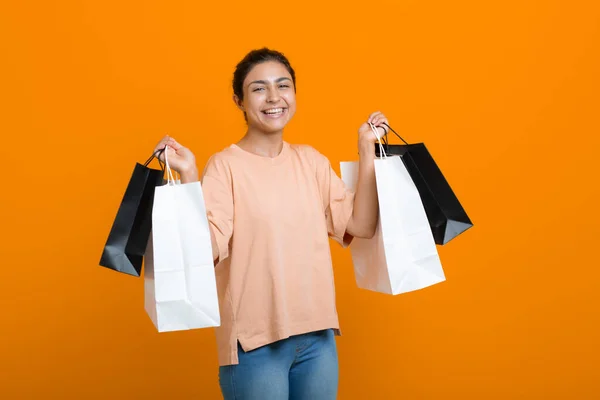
(280, 81)
(271, 207)
(270, 99)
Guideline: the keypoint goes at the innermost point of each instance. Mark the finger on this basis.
(171, 152)
(175, 145)
(372, 116)
(380, 120)
(377, 121)
(161, 145)
(160, 154)
(165, 139)
(379, 131)
(386, 125)
(379, 117)
(378, 134)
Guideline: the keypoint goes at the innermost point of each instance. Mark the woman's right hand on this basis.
(180, 158)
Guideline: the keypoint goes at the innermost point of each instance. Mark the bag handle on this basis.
(156, 155)
(381, 150)
(390, 128)
(170, 178)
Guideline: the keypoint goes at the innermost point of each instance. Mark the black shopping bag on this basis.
(128, 237)
(447, 218)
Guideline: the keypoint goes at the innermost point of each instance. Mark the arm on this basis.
(363, 221)
(213, 242)
(365, 213)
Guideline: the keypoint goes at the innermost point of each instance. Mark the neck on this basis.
(261, 143)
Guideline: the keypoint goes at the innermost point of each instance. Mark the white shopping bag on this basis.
(180, 290)
(402, 256)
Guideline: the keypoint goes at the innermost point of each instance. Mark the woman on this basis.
(271, 208)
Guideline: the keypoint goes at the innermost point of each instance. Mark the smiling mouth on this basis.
(274, 111)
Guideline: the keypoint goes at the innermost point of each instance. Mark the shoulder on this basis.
(219, 163)
(224, 155)
(310, 153)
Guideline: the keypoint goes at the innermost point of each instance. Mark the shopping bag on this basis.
(402, 256)
(447, 217)
(180, 290)
(128, 237)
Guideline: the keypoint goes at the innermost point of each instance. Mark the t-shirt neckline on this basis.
(278, 159)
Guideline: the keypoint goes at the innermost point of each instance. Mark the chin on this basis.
(273, 126)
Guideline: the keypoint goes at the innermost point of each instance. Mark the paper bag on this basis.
(126, 243)
(402, 256)
(446, 215)
(180, 287)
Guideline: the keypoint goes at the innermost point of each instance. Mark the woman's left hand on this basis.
(366, 136)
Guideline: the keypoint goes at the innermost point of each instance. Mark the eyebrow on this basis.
(262, 82)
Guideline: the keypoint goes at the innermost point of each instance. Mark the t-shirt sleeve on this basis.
(218, 197)
(338, 200)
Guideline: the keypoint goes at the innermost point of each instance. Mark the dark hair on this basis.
(254, 58)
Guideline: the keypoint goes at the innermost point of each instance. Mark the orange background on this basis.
(504, 94)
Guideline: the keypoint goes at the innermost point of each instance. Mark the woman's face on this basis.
(269, 97)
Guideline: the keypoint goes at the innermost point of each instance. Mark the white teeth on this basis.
(274, 111)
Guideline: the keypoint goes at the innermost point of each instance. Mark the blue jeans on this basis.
(302, 367)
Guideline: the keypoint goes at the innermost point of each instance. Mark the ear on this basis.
(238, 102)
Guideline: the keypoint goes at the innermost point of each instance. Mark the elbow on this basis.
(364, 226)
(366, 232)
(370, 232)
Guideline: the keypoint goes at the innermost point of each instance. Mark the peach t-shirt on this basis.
(272, 218)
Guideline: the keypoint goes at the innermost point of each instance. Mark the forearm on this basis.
(363, 221)
(213, 242)
(189, 175)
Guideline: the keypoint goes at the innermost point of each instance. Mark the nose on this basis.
(272, 95)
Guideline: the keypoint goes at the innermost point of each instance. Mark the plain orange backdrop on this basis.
(504, 94)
